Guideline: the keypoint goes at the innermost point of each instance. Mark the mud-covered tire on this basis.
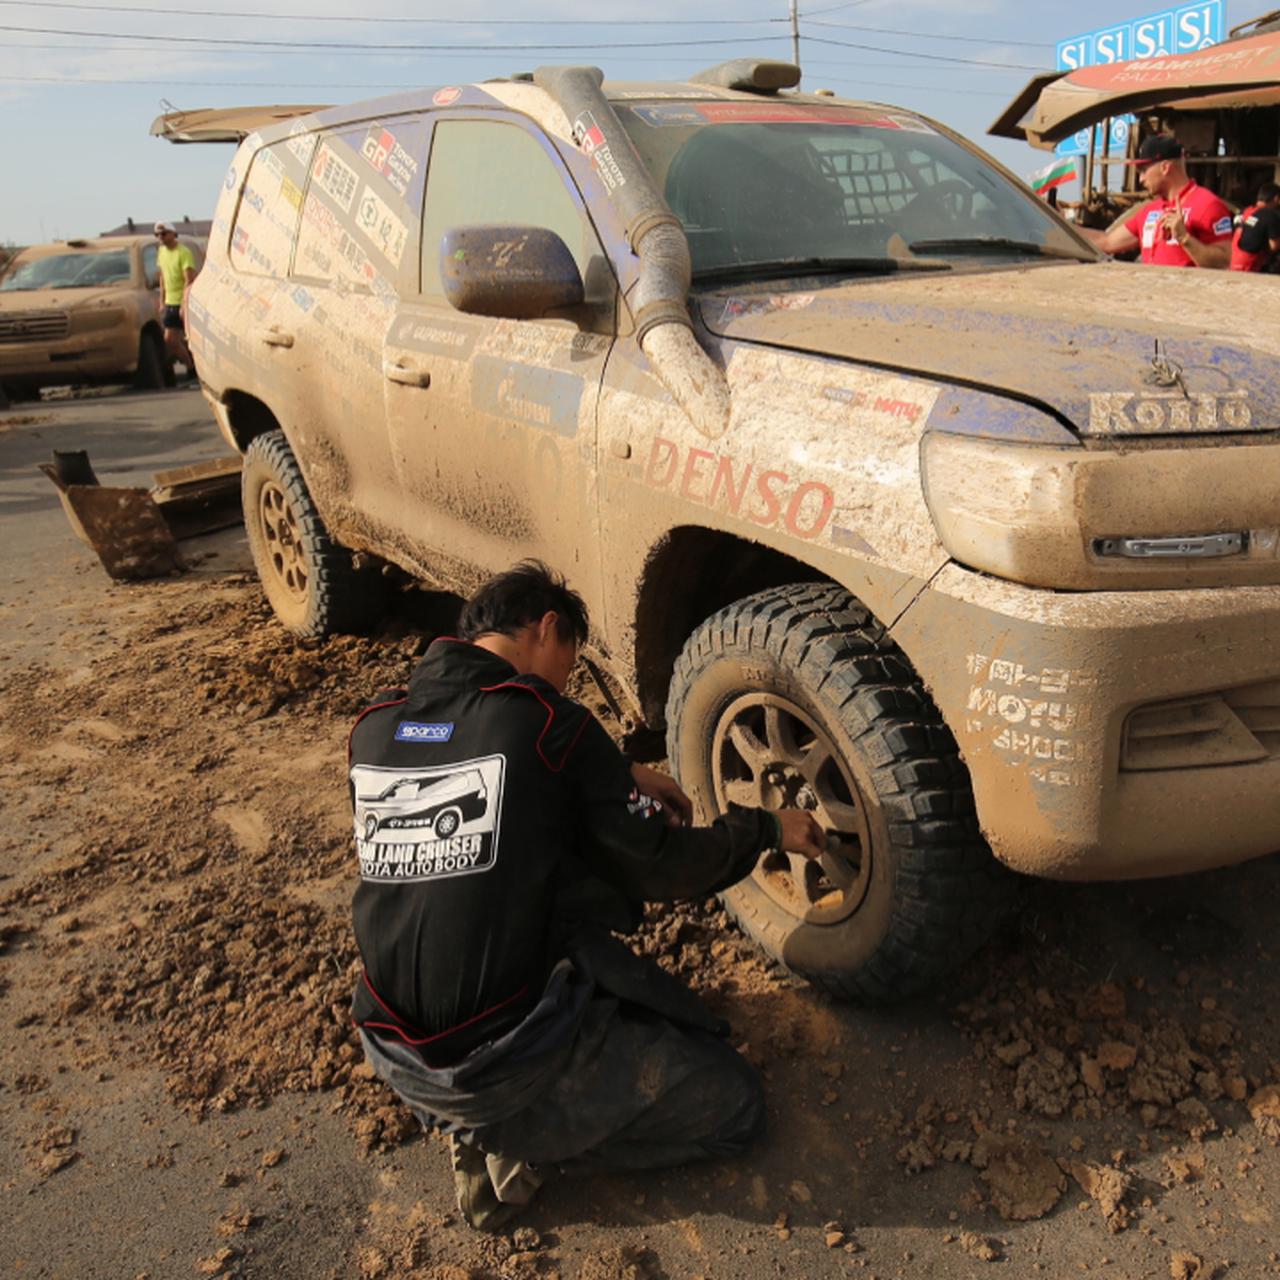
(309, 580)
(803, 676)
(152, 362)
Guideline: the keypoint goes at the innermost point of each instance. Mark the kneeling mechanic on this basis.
(503, 841)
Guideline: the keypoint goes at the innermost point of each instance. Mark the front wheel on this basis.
(152, 362)
(308, 578)
(796, 697)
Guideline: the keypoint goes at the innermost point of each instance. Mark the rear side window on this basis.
(267, 218)
(487, 171)
(362, 204)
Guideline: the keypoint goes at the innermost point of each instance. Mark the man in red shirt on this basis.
(1257, 243)
(1183, 225)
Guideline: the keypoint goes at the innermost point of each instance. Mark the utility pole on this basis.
(795, 31)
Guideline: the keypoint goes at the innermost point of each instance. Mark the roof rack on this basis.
(751, 75)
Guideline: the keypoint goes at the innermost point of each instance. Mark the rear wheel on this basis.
(308, 578)
(152, 362)
(797, 698)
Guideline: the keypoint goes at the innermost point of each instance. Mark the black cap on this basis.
(1160, 146)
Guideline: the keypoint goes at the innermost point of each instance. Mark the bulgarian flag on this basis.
(1044, 180)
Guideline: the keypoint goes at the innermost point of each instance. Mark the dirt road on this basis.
(181, 1094)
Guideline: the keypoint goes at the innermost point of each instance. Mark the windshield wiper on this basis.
(813, 267)
(993, 244)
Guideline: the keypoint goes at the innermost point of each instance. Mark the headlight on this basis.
(1004, 509)
(1087, 519)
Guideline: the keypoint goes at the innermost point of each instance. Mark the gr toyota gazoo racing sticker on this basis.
(416, 824)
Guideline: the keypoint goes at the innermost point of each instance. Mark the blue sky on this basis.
(76, 157)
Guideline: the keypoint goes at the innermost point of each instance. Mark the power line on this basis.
(914, 35)
(171, 12)
(345, 46)
(329, 84)
(915, 53)
(664, 60)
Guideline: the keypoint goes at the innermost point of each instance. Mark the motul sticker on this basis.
(430, 823)
(443, 97)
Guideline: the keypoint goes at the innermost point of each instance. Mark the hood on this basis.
(1112, 349)
(65, 299)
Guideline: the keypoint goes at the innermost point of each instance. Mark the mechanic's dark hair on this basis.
(1268, 192)
(510, 601)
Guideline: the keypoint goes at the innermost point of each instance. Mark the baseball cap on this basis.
(1160, 146)
(162, 227)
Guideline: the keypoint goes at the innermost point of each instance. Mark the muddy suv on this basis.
(890, 497)
(80, 311)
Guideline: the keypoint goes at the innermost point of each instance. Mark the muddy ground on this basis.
(181, 1093)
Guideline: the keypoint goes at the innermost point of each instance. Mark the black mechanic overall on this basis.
(500, 837)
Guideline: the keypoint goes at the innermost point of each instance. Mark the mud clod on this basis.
(1021, 1180)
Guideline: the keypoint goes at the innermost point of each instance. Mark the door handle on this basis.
(405, 376)
(276, 337)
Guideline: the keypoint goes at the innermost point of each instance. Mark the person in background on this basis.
(1257, 243)
(1182, 225)
(176, 265)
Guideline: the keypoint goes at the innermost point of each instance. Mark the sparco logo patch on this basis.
(413, 731)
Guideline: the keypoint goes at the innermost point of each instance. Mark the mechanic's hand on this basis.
(676, 806)
(801, 833)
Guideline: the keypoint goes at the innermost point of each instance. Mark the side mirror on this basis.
(516, 273)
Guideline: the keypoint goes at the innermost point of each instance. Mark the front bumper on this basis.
(70, 359)
(1040, 687)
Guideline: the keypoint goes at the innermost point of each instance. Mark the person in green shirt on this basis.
(177, 270)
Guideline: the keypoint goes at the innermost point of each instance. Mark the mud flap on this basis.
(134, 532)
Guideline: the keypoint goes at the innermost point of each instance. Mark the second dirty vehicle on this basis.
(889, 496)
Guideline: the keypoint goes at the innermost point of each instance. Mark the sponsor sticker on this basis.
(590, 138)
(376, 220)
(419, 731)
(385, 153)
(335, 177)
(301, 143)
(443, 97)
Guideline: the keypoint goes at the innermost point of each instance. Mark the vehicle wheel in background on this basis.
(152, 363)
(308, 578)
(796, 697)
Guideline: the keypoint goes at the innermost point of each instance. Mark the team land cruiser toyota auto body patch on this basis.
(415, 824)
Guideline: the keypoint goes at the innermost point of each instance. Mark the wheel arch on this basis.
(689, 574)
(246, 418)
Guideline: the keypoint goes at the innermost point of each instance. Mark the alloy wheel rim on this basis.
(767, 751)
(283, 541)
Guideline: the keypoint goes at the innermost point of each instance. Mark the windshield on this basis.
(774, 182)
(70, 271)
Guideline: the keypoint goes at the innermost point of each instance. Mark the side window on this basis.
(267, 218)
(361, 205)
(488, 171)
(149, 277)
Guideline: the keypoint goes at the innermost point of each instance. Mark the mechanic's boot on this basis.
(484, 1205)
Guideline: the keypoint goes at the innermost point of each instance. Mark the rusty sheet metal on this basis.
(135, 532)
(1076, 339)
(123, 526)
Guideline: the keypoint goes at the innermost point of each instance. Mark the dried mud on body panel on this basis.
(820, 461)
(1037, 687)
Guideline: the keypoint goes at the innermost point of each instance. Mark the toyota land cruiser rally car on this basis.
(890, 497)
